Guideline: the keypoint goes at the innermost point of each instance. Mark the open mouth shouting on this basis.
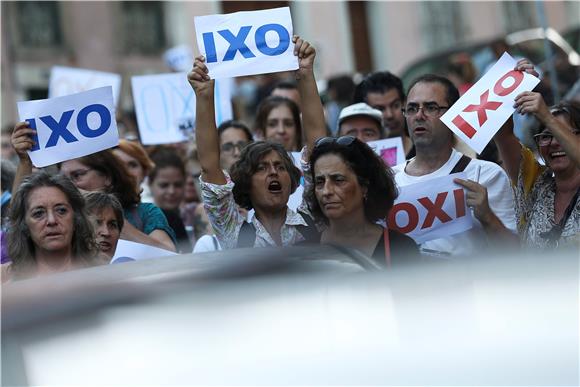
(275, 187)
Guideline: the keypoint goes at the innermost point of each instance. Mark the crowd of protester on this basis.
(230, 187)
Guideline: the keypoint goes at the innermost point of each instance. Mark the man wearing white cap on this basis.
(361, 121)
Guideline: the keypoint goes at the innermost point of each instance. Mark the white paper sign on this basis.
(296, 198)
(487, 105)
(139, 251)
(72, 126)
(246, 43)
(165, 106)
(431, 210)
(179, 58)
(390, 149)
(70, 80)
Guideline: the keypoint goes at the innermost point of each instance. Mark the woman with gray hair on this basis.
(50, 229)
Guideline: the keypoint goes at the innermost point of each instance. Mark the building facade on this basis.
(129, 38)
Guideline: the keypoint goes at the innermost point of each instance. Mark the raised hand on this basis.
(305, 53)
(199, 79)
(530, 102)
(22, 141)
(526, 66)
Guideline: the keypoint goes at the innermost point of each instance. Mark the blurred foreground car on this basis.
(296, 316)
(527, 43)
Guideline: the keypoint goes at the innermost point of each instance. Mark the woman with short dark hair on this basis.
(50, 230)
(263, 178)
(352, 191)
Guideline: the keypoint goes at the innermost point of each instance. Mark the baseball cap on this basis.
(360, 109)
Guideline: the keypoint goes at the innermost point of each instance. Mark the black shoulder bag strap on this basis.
(309, 232)
(461, 164)
(247, 235)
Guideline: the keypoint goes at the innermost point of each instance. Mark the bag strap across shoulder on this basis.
(461, 164)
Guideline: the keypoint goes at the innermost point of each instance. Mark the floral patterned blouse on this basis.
(226, 221)
(534, 196)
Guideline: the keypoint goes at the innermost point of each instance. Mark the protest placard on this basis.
(179, 58)
(165, 106)
(480, 113)
(138, 251)
(71, 126)
(246, 43)
(390, 149)
(69, 80)
(431, 210)
(296, 198)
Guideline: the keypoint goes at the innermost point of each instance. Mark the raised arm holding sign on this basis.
(546, 197)
(264, 176)
(480, 112)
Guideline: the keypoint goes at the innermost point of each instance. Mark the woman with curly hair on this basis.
(264, 176)
(352, 191)
(50, 230)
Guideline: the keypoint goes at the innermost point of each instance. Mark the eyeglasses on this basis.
(545, 139)
(230, 146)
(77, 175)
(344, 141)
(429, 109)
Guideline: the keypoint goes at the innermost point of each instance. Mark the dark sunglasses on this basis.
(344, 141)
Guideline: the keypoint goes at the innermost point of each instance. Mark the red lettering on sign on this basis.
(434, 210)
(411, 213)
(459, 195)
(464, 126)
(518, 77)
(484, 105)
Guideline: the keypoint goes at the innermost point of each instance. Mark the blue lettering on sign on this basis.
(59, 128)
(238, 42)
(186, 99)
(34, 137)
(148, 95)
(261, 39)
(83, 125)
(209, 44)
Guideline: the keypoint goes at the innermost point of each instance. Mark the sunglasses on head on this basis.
(344, 141)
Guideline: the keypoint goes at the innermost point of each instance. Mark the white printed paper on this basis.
(487, 105)
(296, 198)
(72, 126)
(139, 251)
(246, 43)
(431, 209)
(165, 107)
(70, 80)
(390, 149)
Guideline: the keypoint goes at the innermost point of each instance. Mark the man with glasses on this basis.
(488, 187)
